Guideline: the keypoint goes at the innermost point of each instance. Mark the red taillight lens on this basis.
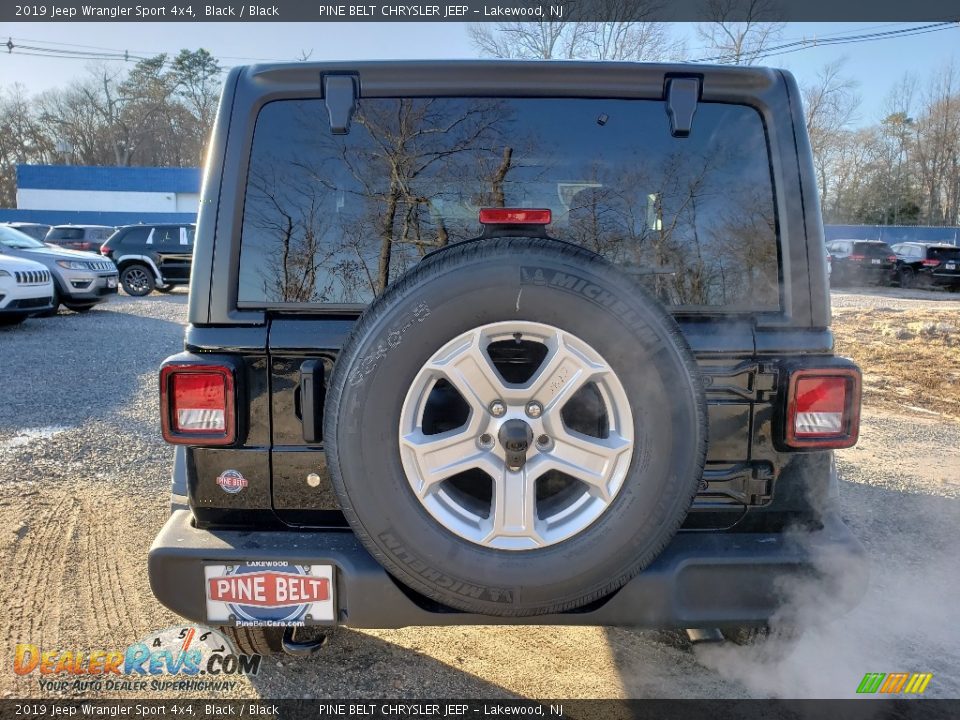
(514, 216)
(857, 257)
(197, 404)
(105, 251)
(823, 408)
(929, 263)
(891, 258)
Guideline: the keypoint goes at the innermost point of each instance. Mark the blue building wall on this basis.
(129, 179)
(893, 233)
(87, 195)
(92, 217)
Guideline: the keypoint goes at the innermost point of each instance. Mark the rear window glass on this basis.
(166, 236)
(945, 254)
(335, 219)
(136, 236)
(872, 249)
(66, 234)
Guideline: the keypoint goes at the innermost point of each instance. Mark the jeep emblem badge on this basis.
(232, 481)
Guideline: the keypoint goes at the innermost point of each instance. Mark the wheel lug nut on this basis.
(498, 408)
(534, 409)
(543, 441)
(485, 441)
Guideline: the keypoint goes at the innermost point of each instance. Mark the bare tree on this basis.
(831, 104)
(22, 139)
(937, 147)
(625, 34)
(521, 40)
(740, 31)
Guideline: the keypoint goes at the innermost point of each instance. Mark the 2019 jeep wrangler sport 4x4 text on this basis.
(503, 342)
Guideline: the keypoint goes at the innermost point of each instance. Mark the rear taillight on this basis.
(856, 257)
(891, 258)
(515, 216)
(197, 404)
(823, 408)
(929, 263)
(105, 251)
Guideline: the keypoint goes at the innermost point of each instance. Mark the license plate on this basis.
(876, 262)
(111, 282)
(269, 593)
(951, 266)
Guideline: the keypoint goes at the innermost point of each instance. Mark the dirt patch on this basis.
(910, 357)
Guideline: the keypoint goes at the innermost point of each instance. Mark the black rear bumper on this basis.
(701, 579)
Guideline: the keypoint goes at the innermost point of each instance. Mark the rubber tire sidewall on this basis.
(255, 640)
(670, 427)
(150, 279)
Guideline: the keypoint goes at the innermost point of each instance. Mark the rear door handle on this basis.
(311, 400)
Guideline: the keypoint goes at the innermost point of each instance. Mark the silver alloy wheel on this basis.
(518, 517)
(137, 279)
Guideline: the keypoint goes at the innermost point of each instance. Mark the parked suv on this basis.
(78, 237)
(859, 262)
(25, 289)
(928, 264)
(151, 257)
(81, 280)
(453, 361)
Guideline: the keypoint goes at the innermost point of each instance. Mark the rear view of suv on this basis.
(861, 262)
(86, 238)
(928, 264)
(477, 343)
(151, 257)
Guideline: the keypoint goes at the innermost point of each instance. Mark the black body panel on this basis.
(699, 580)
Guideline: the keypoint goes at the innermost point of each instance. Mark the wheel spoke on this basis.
(491, 437)
(513, 513)
(442, 456)
(468, 368)
(589, 459)
(563, 371)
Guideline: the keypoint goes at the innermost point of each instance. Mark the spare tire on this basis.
(515, 427)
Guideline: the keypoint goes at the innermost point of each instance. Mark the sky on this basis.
(875, 66)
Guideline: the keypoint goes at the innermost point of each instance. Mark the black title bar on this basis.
(477, 11)
(420, 709)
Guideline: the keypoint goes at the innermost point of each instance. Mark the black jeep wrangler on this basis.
(503, 342)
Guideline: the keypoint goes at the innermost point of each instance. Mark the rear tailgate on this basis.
(744, 391)
(949, 263)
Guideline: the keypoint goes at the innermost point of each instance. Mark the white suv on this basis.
(26, 289)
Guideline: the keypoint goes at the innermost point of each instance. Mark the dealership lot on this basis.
(83, 490)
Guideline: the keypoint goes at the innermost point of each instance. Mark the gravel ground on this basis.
(83, 484)
(895, 298)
